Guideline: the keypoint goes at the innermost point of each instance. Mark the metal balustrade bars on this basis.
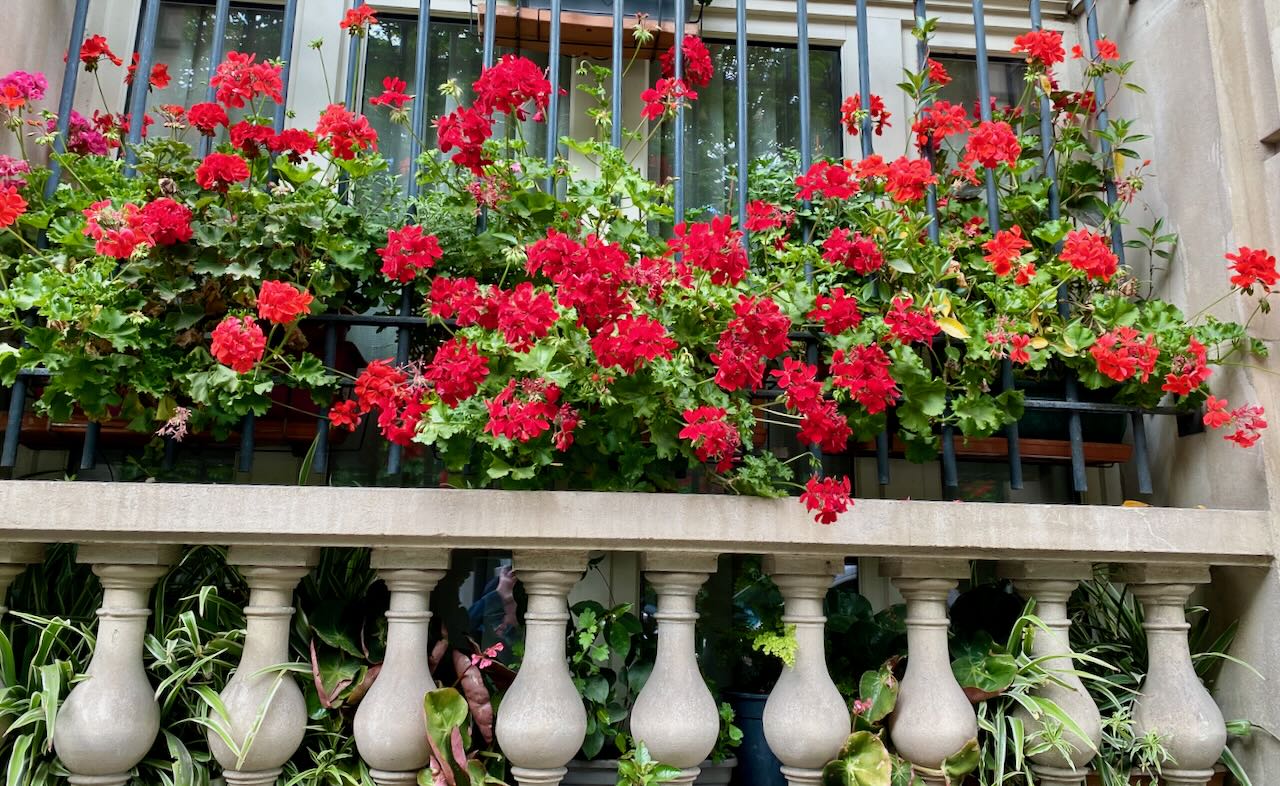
(405, 321)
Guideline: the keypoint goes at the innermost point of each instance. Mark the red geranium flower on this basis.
(828, 180)
(864, 372)
(460, 296)
(345, 414)
(871, 166)
(908, 179)
(164, 221)
(206, 118)
(1005, 249)
(12, 206)
(758, 331)
(938, 121)
(910, 326)
(238, 342)
(829, 497)
(1253, 267)
(159, 73)
(1091, 253)
(523, 419)
(251, 138)
(346, 132)
(282, 303)
(116, 233)
(408, 250)
(1248, 421)
(357, 21)
(240, 79)
(465, 129)
(457, 370)
(1122, 353)
(763, 216)
(393, 94)
(1107, 49)
(837, 312)
(712, 436)
(852, 114)
(377, 385)
(1042, 47)
(295, 142)
(1188, 370)
(991, 144)
(666, 96)
(219, 170)
(93, 50)
(525, 315)
(698, 70)
(853, 250)
(631, 342)
(509, 85)
(714, 246)
(937, 72)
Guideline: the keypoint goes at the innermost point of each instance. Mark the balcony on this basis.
(331, 609)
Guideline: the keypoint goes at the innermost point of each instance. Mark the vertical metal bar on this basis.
(615, 63)
(744, 133)
(922, 63)
(221, 14)
(286, 54)
(353, 65)
(864, 75)
(1100, 97)
(141, 82)
(553, 106)
(1075, 430)
(320, 464)
(993, 218)
(950, 477)
(1140, 455)
(490, 31)
(89, 448)
(681, 15)
(170, 454)
(246, 443)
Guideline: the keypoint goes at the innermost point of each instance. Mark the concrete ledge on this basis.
(152, 513)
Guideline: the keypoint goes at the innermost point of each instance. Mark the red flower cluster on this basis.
(457, 296)
(991, 144)
(219, 171)
(908, 179)
(910, 326)
(393, 94)
(1188, 371)
(828, 180)
(937, 72)
(712, 436)
(589, 277)
(282, 303)
(116, 233)
(346, 132)
(1091, 253)
(357, 21)
(1247, 420)
(937, 121)
(1042, 47)
(837, 312)
(758, 331)
(511, 84)
(251, 138)
(714, 246)
(1010, 344)
(853, 250)
(763, 216)
(698, 69)
(1122, 353)
(526, 417)
(1253, 267)
(524, 315)
(399, 400)
(852, 114)
(457, 370)
(206, 118)
(631, 342)
(827, 497)
(240, 79)
(465, 129)
(871, 166)
(666, 96)
(12, 206)
(407, 251)
(164, 222)
(799, 382)
(864, 372)
(294, 142)
(238, 343)
(1004, 249)
(93, 50)
(159, 73)
(821, 422)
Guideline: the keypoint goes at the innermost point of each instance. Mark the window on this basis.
(184, 42)
(454, 52)
(773, 120)
(1007, 78)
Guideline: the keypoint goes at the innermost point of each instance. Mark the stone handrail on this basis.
(130, 533)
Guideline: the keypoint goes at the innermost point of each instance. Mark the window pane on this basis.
(184, 41)
(1006, 76)
(773, 119)
(454, 52)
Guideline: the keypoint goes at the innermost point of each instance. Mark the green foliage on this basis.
(637, 768)
(609, 660)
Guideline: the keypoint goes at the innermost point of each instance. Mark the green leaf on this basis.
(962, 762)
(863, 761)
(879, 690)
(990, 671)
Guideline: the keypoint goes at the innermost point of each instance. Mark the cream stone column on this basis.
(933, 718)
(1173, 702)
(389, 727)
(267, 715)
(110, 719)
(674, 715)
(805, 719)
(541, 721)
(1051, 584)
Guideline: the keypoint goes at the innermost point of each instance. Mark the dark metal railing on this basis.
(404, 321)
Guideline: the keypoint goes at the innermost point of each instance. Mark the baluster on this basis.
(675, 715)
(14, 558)
(1051, 584)
(933, 718)
(805, 719)
(389, 727)
(110, 719)
(266, 714)
(541, 721)
(1173, 702)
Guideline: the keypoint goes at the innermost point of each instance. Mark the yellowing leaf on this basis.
(953, 327)
(1039, 342)
(1133, 503)
(944, 305)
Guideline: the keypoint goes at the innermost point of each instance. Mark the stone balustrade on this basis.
(132, 534)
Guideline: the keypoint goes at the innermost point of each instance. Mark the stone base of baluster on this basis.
(1058, 776)
(930, 777)
(530, 777)
(1185, 777)
(256, 778)
(799, 776)
(99, 780)
(388, 778)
